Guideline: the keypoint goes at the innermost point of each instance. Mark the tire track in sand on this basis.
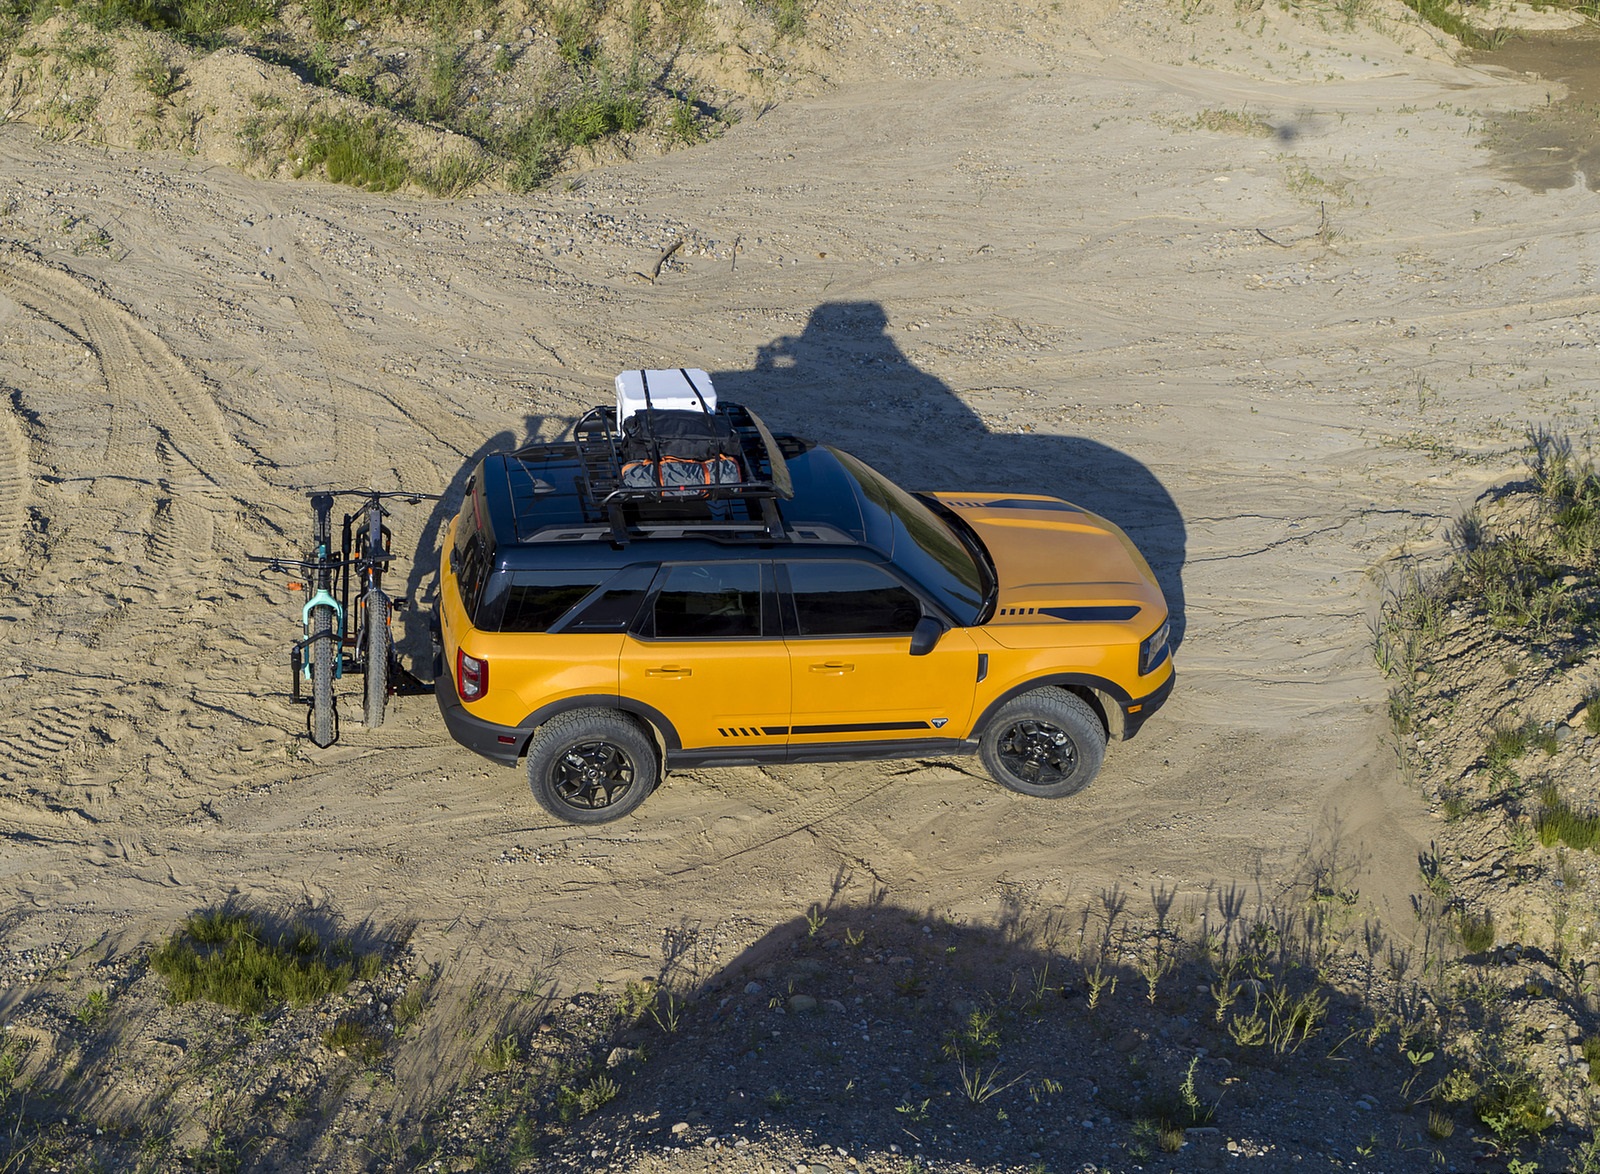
(344, 357)
(354, 407)
(16, 481)
(171, 478)
(140, 370)
(29, 747)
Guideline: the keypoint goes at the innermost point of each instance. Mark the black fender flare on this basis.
(1104, 697)
(649, 714)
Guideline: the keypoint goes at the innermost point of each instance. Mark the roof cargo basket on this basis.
(750, 503)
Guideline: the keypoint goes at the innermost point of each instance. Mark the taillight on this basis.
(472, 676)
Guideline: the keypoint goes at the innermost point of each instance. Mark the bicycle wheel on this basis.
(377, 610)
(323, 722)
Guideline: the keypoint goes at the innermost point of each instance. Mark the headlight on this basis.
(1154, 649)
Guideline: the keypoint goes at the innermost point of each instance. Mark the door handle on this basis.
(833, 668)
(669, 671)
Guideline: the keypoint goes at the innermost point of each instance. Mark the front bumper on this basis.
(1135, 712)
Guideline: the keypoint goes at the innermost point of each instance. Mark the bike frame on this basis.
(363, 554)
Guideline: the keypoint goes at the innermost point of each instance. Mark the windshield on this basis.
(924, 546)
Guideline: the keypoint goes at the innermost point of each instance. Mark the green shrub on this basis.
(1512, 1106)
(1591, 1056)
(233, 958)
(364, 153)
(1477, 931)
(354, 1038)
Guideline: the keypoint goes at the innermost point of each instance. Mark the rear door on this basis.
(708, 654)
(851, 671)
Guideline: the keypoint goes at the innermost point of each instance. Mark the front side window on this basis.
(851, 599)
(717, 600)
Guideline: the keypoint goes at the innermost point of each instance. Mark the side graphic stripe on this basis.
(859, 727)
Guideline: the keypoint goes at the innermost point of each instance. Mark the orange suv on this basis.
(609, 628)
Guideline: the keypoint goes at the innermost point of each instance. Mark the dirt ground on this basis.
(1252, 284)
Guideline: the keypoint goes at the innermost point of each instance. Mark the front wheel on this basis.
(1047, 743)
(591, 765)
(322, 721)
(377, 670)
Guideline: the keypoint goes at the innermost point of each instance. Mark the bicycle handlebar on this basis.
(376, 494)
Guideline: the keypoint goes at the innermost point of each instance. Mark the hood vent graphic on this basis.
(1106, 614)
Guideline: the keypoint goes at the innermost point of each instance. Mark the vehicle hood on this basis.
(1051, 554)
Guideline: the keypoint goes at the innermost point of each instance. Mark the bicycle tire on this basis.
(377, 620)
(323, 722)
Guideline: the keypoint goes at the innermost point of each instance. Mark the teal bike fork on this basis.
(299, 658)
(323, 598)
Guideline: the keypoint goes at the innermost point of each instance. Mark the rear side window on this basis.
(717, 600)
(536, 599)
(612, 609)
(851, 599)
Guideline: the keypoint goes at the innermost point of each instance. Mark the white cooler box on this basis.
(668, 389)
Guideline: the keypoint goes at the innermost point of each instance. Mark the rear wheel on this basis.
(322, 722)
(592, 765)
(1047, 743)
(377, 619)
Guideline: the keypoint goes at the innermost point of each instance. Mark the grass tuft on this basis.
(787, 16)
(232, 958)
(1476, 931)
(362, 152)
(454, 174)
(1559, 822)
(351, 1037)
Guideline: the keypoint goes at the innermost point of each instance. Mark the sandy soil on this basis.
(1019, 262)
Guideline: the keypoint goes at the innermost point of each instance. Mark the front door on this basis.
(708, 655)
(851, 671)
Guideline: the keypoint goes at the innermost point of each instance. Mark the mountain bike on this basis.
(332, 643)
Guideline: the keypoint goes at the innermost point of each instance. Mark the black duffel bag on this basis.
(686, 435)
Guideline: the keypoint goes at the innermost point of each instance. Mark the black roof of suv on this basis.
(811, 500)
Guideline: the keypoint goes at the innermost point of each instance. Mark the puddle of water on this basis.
(1551, 146)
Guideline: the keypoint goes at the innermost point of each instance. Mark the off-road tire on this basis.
(592, 765)
(1046, 743)
(377, 670)
(322, 722)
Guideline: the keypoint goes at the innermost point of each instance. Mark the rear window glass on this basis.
(536, 599)
(613, 609)
(470, 557)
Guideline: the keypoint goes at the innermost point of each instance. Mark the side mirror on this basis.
(925, 636)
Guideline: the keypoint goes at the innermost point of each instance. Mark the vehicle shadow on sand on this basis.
(844, 377)
(422, 572)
